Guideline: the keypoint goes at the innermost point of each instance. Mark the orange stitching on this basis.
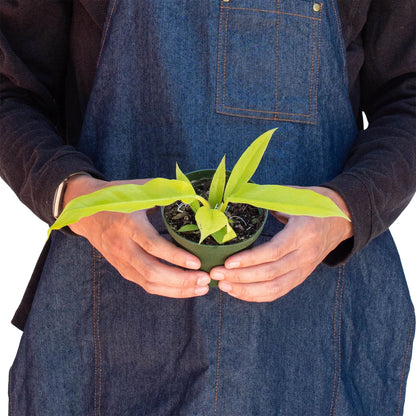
(219, 351)
(339, 335)
(266, 111)
(105, 33)
(277, 58)
(275, 113)
(96, 335)
(335, 348)
(100, 363)
(267, 118)
(344, 63)
(272, 11)
(405, 361)
(225, 57)
(312, 68)
(337, 367)
(219, 59)
(317, 69)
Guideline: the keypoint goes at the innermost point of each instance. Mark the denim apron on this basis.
(188, 81)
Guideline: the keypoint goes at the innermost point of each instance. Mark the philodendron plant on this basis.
(210, 215)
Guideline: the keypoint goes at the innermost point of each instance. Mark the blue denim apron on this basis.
(189, 81)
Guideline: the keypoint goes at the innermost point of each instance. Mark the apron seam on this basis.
(406, 356)
(341, 41)
(105, 33)
(96, 333)
(217, 380)
(10, 394)
(337, 339)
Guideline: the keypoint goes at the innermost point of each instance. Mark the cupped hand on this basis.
(271, 270)
(132, 245)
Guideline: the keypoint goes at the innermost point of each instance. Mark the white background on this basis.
(22, 238)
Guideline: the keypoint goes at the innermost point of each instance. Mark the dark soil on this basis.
(246, 219)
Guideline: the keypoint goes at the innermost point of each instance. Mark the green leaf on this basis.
(287, 200)
(209, 221)
(216, 190)
(180, 176)
(224, 235)
(126, 198)
(247, 164)
(187, 228)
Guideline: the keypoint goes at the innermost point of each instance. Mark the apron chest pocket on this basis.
(268, 59)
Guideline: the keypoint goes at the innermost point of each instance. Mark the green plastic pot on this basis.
(209, 255)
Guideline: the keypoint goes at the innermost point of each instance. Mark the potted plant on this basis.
(210, 214)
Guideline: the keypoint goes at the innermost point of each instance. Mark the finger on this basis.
(155, 277)
(156, 288)
(156, 272)
(153, 243)
(259, 273)
(264, 291)
(278, 247)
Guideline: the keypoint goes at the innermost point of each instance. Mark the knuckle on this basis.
(235, 277)
(245, 293)
(152, 276)
(275, 290)
(274, 251)
(149, 287)
(148, 245)
(312, 254)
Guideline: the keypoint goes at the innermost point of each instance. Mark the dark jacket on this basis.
(48, 54)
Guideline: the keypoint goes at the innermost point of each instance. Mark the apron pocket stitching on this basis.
(221, 105)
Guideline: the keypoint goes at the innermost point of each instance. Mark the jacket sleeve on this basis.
(379, 178)
(34, 43)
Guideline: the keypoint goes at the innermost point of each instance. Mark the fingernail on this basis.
(225, 287)
(233, 265)
(204, 280)
(192, 264)
(201, 290)
(217, 276)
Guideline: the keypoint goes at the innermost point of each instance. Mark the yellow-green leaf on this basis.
(180, 176)
(224, 235)
(209, 221)
(287, 200)
(187, 228)
(216, 190)
(126, 198)
(247, 164)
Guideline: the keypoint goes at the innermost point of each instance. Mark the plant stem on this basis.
(203, 201)
(224, 206)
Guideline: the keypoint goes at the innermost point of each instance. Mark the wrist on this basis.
(80, 184)
(344, 225)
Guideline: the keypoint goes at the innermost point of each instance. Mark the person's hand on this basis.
(271, 270)
(132, 245)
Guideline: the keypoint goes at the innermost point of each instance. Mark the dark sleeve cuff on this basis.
(356, 196)
(56, 171)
